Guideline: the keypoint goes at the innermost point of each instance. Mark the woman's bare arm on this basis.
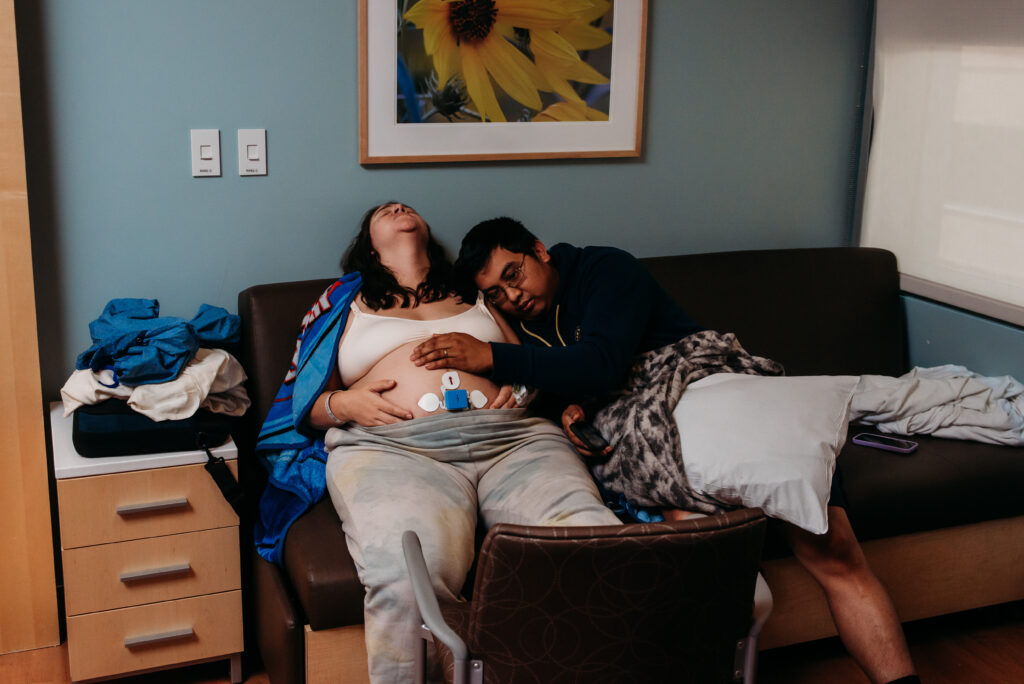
(363, 406)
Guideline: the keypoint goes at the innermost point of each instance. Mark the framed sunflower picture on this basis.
(472, 80)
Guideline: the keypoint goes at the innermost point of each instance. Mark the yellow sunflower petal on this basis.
(446, 61)
(563, 88)
(533, 14)
(569, 111)
(435, 35)
(584, 36)
(505, 31)
(511, 70)
(558, 62)
(478, 85)
(553, 80)
(584, 73)
(553, 48)
(425, 8)
(543, 116)
(597, 9)
(432, 17)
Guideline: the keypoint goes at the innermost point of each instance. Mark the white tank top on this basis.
(371, 337)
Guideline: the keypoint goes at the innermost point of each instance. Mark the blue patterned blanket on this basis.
(292, 452)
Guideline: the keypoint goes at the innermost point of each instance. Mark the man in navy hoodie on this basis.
(582, 314)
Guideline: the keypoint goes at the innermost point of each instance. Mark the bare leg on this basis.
(864, 615)
(672, 514)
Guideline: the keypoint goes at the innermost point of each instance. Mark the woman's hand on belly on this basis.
(365, 406)
(412, 383)
(504, 399)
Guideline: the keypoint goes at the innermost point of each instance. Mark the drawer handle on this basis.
(167, 504)
(148, 639)
(154, 573)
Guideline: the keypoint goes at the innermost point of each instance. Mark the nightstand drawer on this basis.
(155, 635)
(148, 570)
(142, 503)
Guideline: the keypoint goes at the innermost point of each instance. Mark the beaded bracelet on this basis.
(327, 408)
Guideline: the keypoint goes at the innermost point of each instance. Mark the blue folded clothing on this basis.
(142, 348)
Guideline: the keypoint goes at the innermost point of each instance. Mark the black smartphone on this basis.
(900, 446)
(589, 435)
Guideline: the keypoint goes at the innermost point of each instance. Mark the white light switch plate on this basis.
(205, 152)
(252, 152)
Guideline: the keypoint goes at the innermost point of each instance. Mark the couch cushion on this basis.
(945, 482)
(823, 311)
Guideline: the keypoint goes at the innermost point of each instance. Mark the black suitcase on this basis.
(112, 428)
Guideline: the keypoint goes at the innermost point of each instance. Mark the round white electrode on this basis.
(478, 399)
(429, 402)
(450, 381)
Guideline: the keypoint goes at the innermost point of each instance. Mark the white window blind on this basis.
(945, 182)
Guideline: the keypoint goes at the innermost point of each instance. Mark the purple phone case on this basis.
(910, 447)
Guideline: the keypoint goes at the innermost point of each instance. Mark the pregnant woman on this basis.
(405, 454)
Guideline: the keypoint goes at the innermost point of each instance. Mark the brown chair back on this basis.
(654, 602)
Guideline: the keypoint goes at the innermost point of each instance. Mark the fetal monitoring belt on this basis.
(451, 397)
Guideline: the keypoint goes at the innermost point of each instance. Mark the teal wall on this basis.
(750, 113)
(939, 335)
(749, 119)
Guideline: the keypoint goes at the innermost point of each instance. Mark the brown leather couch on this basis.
(943, 528)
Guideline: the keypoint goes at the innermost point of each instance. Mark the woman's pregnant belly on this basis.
(412, 382)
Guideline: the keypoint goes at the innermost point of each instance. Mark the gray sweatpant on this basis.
(431, 475)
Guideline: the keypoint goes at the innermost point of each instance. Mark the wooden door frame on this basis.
(28, 592)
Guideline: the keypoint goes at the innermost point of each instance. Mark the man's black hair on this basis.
(380, 288)
(482, 240)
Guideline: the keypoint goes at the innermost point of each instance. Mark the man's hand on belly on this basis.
(364, 406)
(454, 350)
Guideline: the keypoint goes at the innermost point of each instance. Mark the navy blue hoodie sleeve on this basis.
(616, 297)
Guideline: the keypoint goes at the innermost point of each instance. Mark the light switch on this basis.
(252, 152)
(205, 152)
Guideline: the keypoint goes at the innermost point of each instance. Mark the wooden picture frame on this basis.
(406, 115)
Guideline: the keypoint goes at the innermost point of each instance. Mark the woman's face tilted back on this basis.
(393, 226)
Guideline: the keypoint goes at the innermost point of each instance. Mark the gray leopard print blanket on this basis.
(646, 463)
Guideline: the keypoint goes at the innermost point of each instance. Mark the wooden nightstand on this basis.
(151, 560)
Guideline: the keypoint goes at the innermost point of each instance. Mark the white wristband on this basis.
(327, 408)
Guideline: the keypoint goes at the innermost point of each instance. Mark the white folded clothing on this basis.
(86, 387)
(212, 380)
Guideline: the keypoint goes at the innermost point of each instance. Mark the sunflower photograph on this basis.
(458, 80)
(507, 61)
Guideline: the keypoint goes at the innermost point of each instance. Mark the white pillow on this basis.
(766, 442)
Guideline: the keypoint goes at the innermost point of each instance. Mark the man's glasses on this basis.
(513, 278)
